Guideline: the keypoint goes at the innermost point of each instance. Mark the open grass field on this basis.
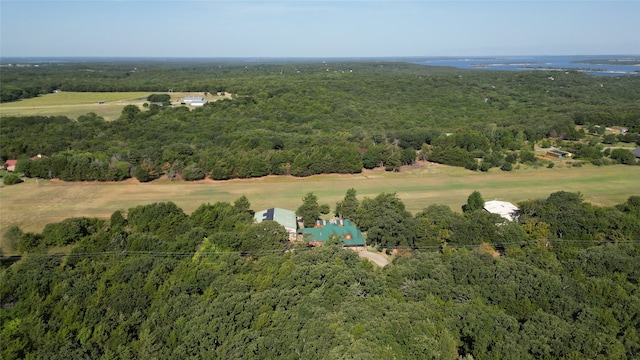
(32, 205)
(74, 104)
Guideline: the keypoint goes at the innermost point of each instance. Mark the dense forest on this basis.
(153, 282)
(561, 282)
(309, 118)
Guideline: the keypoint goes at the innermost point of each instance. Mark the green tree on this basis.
(30, 242)
(145, 172)
(474, 202)
(623, 156)
(129, 112)
(117, 220)
(347, 208)
(192, 172)
(386, 221)
(165, 99)
(12, 237)
(310, 210)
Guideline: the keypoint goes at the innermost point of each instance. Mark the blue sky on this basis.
(308, 28)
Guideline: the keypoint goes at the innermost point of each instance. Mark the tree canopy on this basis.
(155, 282)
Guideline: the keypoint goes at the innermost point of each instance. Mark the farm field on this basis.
(74, 104)
(32, 205)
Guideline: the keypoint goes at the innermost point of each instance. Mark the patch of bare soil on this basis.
(375, 258)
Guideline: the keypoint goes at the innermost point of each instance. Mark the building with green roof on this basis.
(344, 230)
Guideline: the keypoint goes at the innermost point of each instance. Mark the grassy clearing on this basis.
(74, 104)
(32, 205)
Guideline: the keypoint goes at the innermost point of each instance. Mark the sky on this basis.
(316, 28)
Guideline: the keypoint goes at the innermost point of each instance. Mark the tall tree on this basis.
(310, 210)
(346, 209)
(474, 202)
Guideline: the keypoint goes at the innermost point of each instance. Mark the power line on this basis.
(185, 254)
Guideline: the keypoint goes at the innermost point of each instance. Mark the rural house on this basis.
(344, 230)
(286, 218)
(10, 165)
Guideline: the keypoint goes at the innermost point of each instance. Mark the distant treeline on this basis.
(305, 119)
(562, 282)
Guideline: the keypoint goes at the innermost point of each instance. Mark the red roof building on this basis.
(10, 165)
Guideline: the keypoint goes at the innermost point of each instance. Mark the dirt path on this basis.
(374, 258)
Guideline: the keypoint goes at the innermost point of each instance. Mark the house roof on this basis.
(286, 218)
(10, 163)
(348, 233)
(505, 209)
(636, 152)
(193, 98)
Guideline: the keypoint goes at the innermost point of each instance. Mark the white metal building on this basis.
(505, 209)
(286, 218)
(194, 100)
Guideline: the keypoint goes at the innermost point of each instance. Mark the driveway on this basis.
(374, 258)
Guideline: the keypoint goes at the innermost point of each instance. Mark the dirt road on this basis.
(374, 258)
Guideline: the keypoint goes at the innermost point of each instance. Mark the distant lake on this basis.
(593, 65)
(599, 65)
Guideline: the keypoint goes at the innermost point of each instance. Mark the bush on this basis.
(551, 165)
(623, 156)
(506, 167)
(11, 179)
(192, 172)
(545, 144)
(145, 173)
(12, 237)
(29, 242)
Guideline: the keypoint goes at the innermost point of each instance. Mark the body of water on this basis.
(593, 65)
(600, 65)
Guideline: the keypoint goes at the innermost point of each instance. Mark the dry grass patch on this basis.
(73, 104)
(32, 205)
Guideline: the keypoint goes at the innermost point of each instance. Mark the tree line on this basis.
(300, 119)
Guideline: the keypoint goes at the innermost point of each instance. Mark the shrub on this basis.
(545, 144)
(11, 179)
(192, 172)
(12, 237)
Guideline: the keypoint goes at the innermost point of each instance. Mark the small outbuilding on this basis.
(503, 208)
(194, 100)
(559, 154)
(286, 218)
(636, 152)
(10, 165)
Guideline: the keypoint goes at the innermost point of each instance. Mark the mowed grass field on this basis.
(32, 205)
(74, 104)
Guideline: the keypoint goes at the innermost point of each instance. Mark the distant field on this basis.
(74, 104)
(32, 205)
